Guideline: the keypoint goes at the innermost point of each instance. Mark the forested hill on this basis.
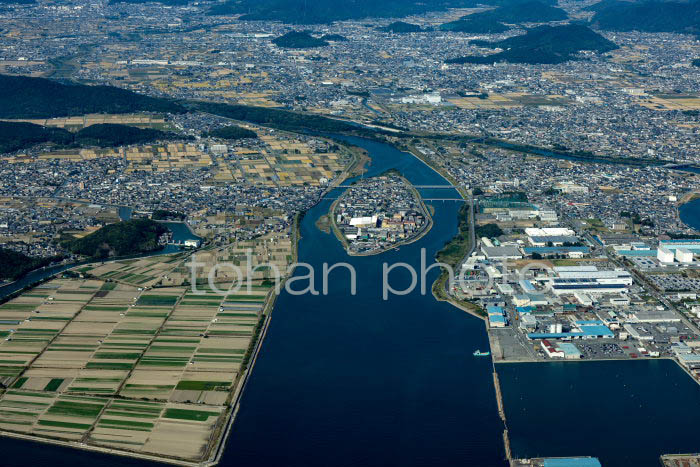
(327, 11)
(14, 265)
(110, 135)
(492, 21)
(20, 135)
(401, 27)
(15, 136)
(299, 40)
(653, 16)
(25, 97)
(523, 12)
(123, 238)
(544, 44)
(475, 26)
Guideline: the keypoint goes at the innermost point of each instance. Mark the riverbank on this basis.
(688, 197)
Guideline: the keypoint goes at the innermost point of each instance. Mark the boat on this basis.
(479, 353)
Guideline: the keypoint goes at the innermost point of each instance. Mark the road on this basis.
(472, 242)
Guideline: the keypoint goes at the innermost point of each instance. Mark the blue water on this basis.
(125, 212)
(687, 168)
(690, 213)
(349, 380)
(625, 413)
(352, 380)
(180, 231)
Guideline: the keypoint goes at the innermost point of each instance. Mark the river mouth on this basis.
(346, 379)
(356, 380)
(352, 380)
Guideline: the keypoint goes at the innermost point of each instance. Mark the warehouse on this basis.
(502, 253)
(590, 281)
(684, 255)
(497, 318)
(550, 251)
(638, 332)
(571, 352)
(654, 315)
(552, 240)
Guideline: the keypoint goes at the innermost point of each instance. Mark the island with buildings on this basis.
(378, 214)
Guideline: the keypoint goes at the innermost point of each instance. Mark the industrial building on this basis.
(590, 280)
(681, 250)
(502, 253)
(497, 317)
(664, 255)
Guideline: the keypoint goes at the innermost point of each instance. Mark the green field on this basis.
(157, 300)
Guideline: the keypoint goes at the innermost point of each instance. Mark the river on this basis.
(350, 380)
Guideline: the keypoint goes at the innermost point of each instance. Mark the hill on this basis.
(25, 97)
(109, 134)
(15, 136)
(400, 27)
(492, 21)
(120, 239)
(327, 11)
(544, 44)
(19, 135)
(654, 16)
(299, 40)
(232, 132)
(522, 12)
(603, 4)
(468, 25)
(165, 215)
(14, 265)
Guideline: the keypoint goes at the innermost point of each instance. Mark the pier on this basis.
(502, 414)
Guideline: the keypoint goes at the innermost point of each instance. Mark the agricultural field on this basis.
(142, 272)
(273, 250)
(507, 100)
(110, 361)
(281, 161)
(672, 102)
